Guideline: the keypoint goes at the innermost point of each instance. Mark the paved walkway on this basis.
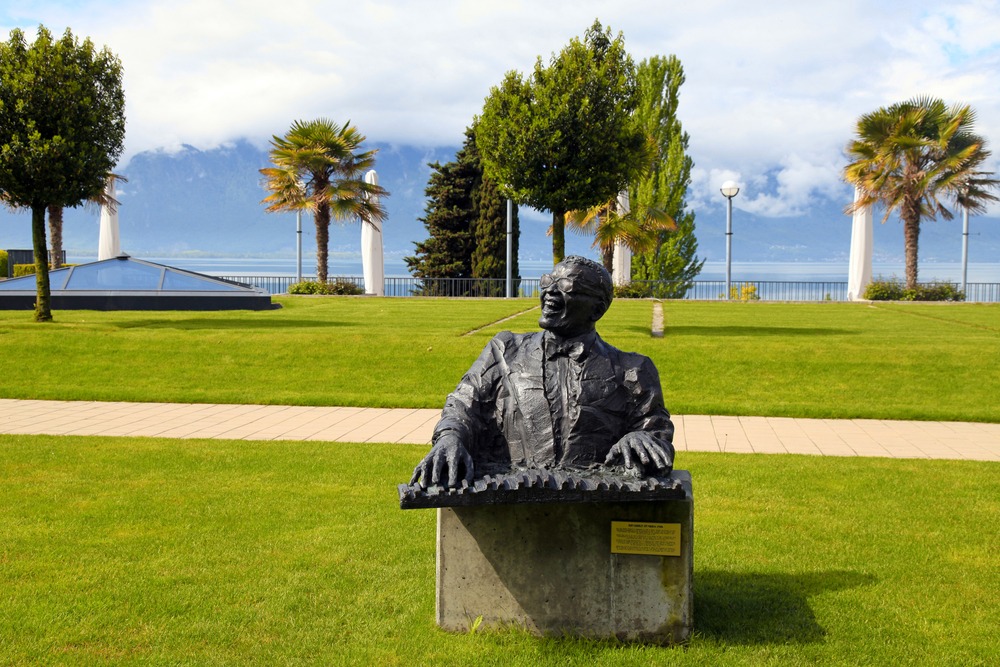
(766, 435)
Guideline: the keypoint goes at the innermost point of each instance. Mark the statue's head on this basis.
(574, 296)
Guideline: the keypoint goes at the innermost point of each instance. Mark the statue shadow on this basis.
(196, 323)
(764, 608)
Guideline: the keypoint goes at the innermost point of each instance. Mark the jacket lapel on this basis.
(532, 419)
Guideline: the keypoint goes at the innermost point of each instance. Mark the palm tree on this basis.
(318, 167)
(913, 155)
(638, 229)
(55, 235)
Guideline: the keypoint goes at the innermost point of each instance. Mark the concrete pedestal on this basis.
(550, 569)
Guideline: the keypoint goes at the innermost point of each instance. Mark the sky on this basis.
(773, 87)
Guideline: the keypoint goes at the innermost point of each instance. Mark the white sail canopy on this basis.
(621, 259)
(372, 257)
(859, 271)
(109, 240)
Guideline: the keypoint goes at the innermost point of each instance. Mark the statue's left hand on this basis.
(643, 451)
(447, 460)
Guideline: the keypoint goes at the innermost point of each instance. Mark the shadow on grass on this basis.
(764, 608)
(741, 331)
(751, 331)
(227, 323)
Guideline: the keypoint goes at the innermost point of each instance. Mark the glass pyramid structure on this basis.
(127, 283)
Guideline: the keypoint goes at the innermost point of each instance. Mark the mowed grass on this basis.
(168, 552)
(313, 351)
(836, 360)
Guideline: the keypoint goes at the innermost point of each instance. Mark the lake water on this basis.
(763, 271)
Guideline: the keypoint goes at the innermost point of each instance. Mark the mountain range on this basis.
(207, 202)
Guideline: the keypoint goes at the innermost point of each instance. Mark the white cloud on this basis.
(772, 92)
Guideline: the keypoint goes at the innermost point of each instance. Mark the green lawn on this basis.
(169, 552)
(201, 552)
(896, 361)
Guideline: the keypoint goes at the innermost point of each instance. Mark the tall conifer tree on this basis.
(489, 257)
(466, 219)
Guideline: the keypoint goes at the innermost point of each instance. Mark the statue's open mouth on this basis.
(552, 305)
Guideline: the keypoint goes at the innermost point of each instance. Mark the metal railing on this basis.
(459, 287)
(982, 292)
(701, 290)
(767, 290)
(407, 286)
(270, 284)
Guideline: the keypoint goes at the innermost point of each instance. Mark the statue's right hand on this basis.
(444, 463)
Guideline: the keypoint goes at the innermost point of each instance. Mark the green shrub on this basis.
(894, 290)
(3, 264)
(653, 289)
(336, 287)
(935, 292)
(29, 269)
(884, 290)
(634, 290)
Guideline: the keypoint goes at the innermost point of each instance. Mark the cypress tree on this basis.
(489, 258)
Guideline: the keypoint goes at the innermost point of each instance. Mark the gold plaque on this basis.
(650, 539)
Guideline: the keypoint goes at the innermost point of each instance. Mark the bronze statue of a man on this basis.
(554, 399)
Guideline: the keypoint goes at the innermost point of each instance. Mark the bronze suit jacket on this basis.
(501, 412)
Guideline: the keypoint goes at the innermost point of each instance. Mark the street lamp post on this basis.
(509, 291)
(965, 248)
(298, 246)
(298, 232)
(729, 190)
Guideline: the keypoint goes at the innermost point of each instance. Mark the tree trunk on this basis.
(608, 258)
(322, 219)
(910, 215)
(43, 310)
(55, 234)
(558, 236)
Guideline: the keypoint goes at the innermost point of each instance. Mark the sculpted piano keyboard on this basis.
(547, 486)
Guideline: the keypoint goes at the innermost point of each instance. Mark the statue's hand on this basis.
(641, 450)
(444, 463)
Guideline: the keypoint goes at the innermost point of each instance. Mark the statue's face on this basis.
(570, 302)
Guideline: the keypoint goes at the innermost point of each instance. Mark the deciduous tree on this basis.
(562, 139)
(62, 130)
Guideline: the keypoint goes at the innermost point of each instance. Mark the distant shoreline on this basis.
(349, 264)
